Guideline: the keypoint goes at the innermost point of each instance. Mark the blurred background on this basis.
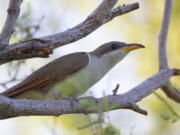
(44, 17)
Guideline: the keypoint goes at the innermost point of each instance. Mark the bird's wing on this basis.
(53, 72)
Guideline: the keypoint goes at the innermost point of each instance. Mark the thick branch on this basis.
(149, 85)
(163, 34)
(13, 108)
(42, 47)
(12, 16)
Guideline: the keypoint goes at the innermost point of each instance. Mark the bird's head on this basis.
(115, 51)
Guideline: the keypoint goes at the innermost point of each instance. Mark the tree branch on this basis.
(12, 16)
(120, 10)
(13, 108)
(163, 34)
(42, 47)
(169, 90)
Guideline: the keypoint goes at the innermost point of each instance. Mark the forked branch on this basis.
(44, 46)
(12, 16)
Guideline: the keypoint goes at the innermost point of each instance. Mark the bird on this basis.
(71, 75)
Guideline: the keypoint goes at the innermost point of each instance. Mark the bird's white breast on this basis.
(81, 81)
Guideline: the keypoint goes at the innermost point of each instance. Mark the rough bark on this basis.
(42, 47)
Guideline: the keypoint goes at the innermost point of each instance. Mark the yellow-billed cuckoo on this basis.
(72, 74)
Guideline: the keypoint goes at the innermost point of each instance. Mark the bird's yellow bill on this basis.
(131, 47)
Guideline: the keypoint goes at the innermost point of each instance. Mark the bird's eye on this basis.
(113, 47)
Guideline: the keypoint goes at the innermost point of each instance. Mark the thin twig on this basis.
(12, 16)
(115, 90)
(124, 9)
(177, 71)
(163, 35)
(171, 92)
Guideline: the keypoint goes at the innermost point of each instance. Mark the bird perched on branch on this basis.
(72, 74)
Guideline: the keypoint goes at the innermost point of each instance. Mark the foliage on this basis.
(26, 27)
(110, 130)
